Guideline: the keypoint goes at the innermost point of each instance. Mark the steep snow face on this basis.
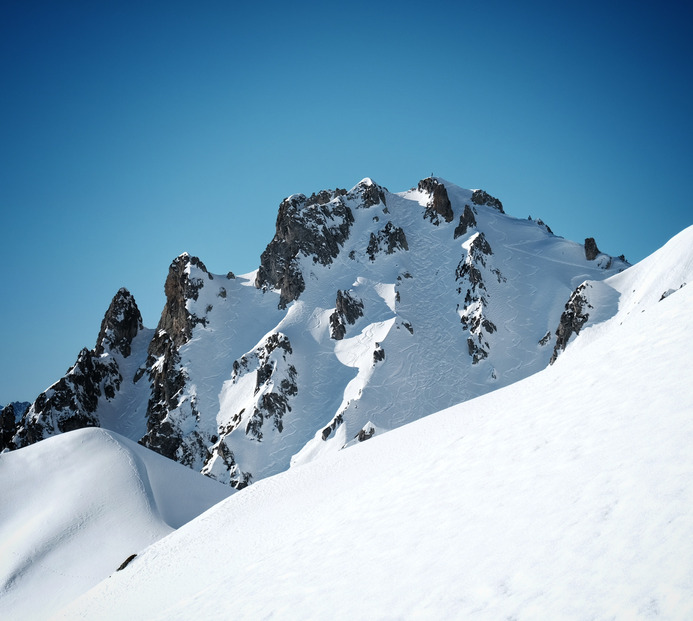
(77, 505)
(568, 495)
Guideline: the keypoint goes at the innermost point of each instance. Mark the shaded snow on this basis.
(76, 505)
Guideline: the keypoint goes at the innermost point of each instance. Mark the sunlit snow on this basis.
(568, 495)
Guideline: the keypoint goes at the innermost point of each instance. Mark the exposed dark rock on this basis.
(275, 385)
(479, 197)
(311, 229)
(368, 194)
(591, 250)
(365, 434)
(545, 339)
(467, 221)
(475, 351)
(337, 327)
(348, 306)
(72, 401)
(347, 309)
(126, 562)
(545, 226)
(468, 266)
(8, 427)
(572, 320)
(186, 276)
(439, 203)
(327, 431)
(120, 325)
(389, 239)
(378, 354)
(473, 316)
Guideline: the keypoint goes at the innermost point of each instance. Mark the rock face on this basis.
(120, 325)
(388, 239)
(591, 250)
(572, 320)
(72, 402)
(315, 228)
(347, 310)
(467, 221)
(479, 197)
(273, 378)
(186, 276)
(8, 427)
(439, 204)
(473, 313)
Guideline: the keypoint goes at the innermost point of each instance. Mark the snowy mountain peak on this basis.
(120, 325)
(369, 309)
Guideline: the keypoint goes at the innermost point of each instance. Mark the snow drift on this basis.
(77, 505)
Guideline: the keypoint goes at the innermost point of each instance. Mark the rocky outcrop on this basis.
(366, 433)
(467, 221)
(388, 239)
(186, 276)
(473, 314)
(479, 197)
(366, 194)
(304, 228)
(274, 380)
(439, 204)
(572, 320)
(120, 325)
(591, 250)
(72, 402)
(347, 310)
(544, 226)
(8, 427)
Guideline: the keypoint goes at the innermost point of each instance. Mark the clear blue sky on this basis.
(134, 131)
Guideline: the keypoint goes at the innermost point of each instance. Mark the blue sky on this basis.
(134, 131)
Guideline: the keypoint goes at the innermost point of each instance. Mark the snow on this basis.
(415, 313)
(76, 505)
(567, 495)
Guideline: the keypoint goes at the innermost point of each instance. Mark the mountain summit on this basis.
(369, 310)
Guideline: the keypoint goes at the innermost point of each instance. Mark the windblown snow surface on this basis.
(76, 505)
(568, 495)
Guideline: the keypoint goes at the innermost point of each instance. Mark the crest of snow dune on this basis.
(75, 506)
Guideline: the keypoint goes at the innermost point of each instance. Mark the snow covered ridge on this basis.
(369, 310)
(77, 505)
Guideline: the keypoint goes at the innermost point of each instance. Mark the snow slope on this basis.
(568, 495)
(76, 505)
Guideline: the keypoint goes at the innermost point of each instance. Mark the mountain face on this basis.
(567, 495)
(98, 390)
(369, 310)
